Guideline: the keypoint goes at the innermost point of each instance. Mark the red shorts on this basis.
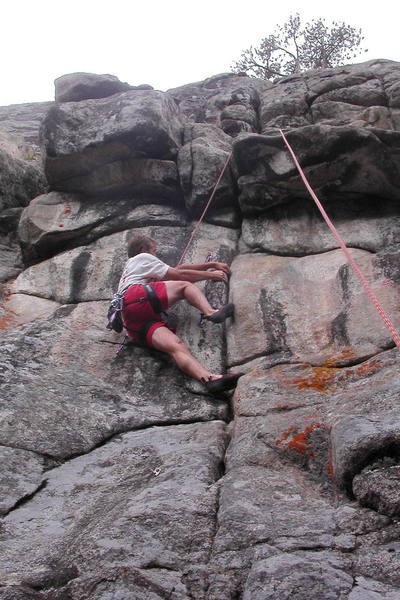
(136, 315)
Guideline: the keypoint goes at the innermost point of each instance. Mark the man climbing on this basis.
(144, 303)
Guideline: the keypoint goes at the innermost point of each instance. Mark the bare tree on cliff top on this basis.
(293, 48)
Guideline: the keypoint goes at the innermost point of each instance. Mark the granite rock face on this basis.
(21, 176)
(82, 86)
(122, 478)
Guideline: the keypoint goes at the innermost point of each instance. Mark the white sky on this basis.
(165, 43)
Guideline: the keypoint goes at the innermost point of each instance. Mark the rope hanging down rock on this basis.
(196, 228)
(370, 293)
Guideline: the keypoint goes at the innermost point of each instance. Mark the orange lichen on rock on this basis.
(319, 379)
(7, 318)
(344, 355)
(299, 442)
(286, 434)
(367, 368)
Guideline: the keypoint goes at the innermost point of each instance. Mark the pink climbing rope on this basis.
(371, 295)
(196, 228)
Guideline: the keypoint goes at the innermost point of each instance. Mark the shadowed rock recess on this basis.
(120, 478)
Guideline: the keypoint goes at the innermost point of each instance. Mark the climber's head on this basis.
(141, 243)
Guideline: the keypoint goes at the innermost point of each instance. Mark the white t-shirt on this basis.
(142, 268)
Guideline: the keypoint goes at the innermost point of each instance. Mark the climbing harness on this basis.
(370, 293)
(117, 304)
(114, 315)
(197, 226)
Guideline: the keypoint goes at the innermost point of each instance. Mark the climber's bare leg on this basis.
(183, 290)
(165, 340)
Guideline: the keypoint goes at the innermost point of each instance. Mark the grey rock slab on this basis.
(297, 228)
(281, 507)
(64, 390)
(82, 86)
(297, 412)
(21, 474)
(200, 164)
(56, 221)
(322, 81)
(92, 272)
(18, 309)
(23, 120)
(368, 93)
(341, 113)
(370, 589)
(339, 162)
(381, 563)
(127, 582)
(20, 181)
(289, 576)
(79, 137)
(310, 309)
(144, 499)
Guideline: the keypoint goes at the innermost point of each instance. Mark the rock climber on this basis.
(143, 305)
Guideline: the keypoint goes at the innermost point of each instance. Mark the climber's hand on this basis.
(220, 266)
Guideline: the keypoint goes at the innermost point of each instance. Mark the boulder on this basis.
(80, 137)
(230, 101)
(200, 163)
(57, 221)
(82, 86)
(379, 488)
(357, 441)
(151, 178)
(339, 162)
(352, 94)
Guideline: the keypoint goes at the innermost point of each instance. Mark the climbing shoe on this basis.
(227, 382)
(223, 313)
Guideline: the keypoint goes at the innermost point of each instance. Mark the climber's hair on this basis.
(139, 243)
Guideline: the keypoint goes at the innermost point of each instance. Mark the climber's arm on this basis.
(193, 275)
(220, 266)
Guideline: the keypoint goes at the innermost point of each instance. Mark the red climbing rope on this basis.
(393, 331)
(196, 228)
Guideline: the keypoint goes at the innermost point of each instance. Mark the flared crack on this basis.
(25, 499)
